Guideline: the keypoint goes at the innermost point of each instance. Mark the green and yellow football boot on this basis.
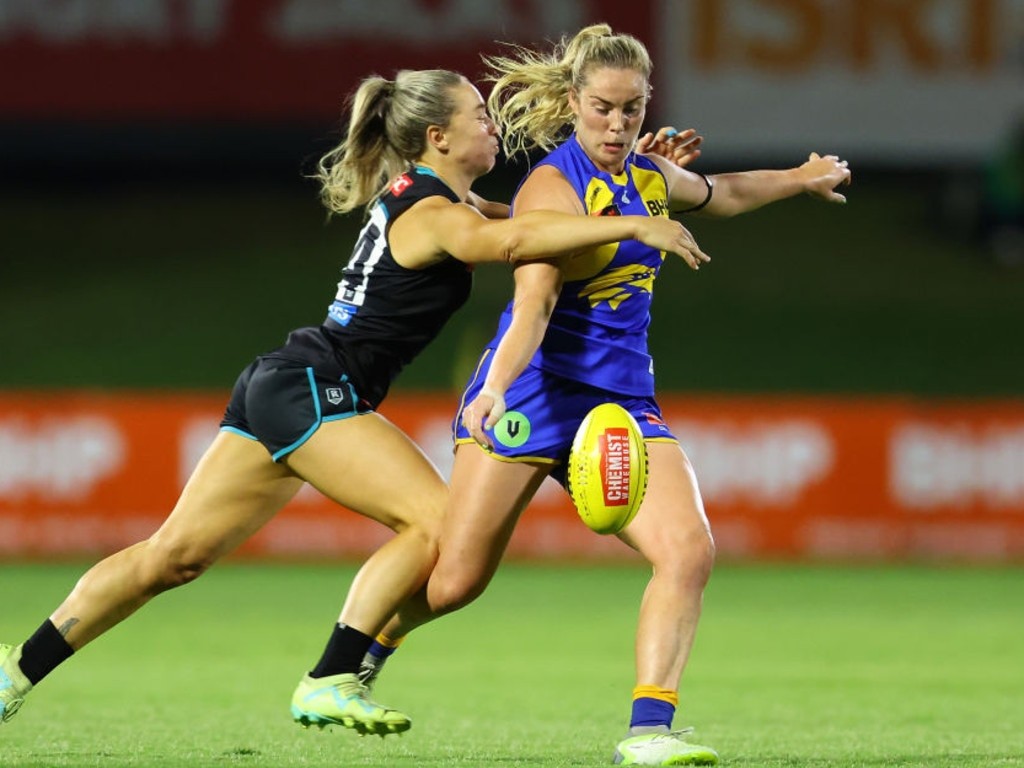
(13, 683)
(663, 747)
(343, 700)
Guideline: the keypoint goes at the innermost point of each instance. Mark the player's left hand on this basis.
(678, 147)
(822, 174)
(482, 413)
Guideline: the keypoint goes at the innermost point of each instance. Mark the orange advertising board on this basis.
(782, 477)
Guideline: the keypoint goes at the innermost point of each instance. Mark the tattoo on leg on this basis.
(66, 626)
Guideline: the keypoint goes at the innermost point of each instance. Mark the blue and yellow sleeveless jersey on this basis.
(598, 330)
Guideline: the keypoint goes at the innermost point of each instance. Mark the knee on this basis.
(702, 552)
(447, 593)
(167, 565)
(690, 560)
(426, 518)
(426, 529)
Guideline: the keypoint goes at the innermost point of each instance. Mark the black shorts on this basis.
(282, 403)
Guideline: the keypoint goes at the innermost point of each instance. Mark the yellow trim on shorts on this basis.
(509, 459)
(661, 440)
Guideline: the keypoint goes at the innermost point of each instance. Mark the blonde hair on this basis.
(530, 97)
(387, 132)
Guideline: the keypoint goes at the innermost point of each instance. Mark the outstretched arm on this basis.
(730, 194)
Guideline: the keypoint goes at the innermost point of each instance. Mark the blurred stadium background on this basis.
(847, 380)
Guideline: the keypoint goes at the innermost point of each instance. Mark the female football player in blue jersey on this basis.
(305, 412)
(575, 336)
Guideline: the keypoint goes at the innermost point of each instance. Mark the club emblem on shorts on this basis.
(334, 395)
(513, 429)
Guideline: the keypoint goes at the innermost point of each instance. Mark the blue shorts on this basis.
(543, 412)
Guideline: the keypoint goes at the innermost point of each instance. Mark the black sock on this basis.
(43, 652)
(344, 652)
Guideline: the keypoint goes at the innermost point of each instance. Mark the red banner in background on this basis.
(263, 59)
(806, 478)
(897, 83)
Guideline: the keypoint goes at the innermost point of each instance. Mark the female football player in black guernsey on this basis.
(305, 411)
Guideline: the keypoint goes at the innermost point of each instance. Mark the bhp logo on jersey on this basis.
(615, 465)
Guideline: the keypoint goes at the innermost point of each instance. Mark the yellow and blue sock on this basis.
(383, 646)
(653, 707)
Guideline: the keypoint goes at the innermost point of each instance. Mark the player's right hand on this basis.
(668, 235)
(484, 412)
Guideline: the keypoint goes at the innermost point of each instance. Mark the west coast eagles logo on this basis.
(618, 284)
(600, 281)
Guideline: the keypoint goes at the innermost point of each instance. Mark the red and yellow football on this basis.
(607, 472)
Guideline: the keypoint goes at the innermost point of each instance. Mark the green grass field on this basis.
(794, 666)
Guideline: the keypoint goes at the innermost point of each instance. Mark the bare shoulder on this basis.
(423, 215)
(432, 203)
(547, 189)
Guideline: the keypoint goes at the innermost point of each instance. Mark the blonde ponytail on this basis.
(386, 134)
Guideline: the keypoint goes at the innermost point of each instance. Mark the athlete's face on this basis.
(609, 111)
(471, 134)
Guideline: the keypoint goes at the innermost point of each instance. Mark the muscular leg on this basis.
(672, 532)
(234, 491)
(367, 464)
(364, 463)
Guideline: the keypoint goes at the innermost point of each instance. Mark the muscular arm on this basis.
(435, 227)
